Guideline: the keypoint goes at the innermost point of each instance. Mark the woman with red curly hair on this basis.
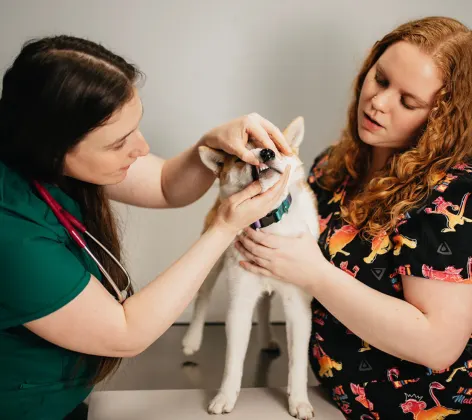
(391, 274)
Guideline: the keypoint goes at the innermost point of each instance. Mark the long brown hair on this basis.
(445, 140)
(57, 90)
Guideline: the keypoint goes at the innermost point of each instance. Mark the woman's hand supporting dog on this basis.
(245, 207)
(414, 329)
(286, 258)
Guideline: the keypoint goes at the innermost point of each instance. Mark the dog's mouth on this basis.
(262, 169)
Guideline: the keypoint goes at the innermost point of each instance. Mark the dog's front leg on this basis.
(243, 299)
(298, 317)
(193, 337)
(266, 333)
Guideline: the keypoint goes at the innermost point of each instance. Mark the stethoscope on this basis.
(70, 223)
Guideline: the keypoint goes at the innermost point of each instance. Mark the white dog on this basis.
(296, 213)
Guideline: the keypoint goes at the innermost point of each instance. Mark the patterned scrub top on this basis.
(433, 241)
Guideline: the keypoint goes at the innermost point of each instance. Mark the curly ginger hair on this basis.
(445, 140)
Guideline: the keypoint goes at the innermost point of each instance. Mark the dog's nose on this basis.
(267, 154)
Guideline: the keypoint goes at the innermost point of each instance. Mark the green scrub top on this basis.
(42, 269)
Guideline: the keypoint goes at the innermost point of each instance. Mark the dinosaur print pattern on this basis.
(339, 194)
(361, 397)
(453, 219)
(444, 184)
(381, 244)
(323, 222)
(465, 368)
(400, 240)
(340, 397)
(317, 170)
(393, 376)
(344, 266)
(368, 417)
(430, 241)
(417, 407)
(463, 167)
(365, 347)
(340, 239)
(450, 274)
(327, 364)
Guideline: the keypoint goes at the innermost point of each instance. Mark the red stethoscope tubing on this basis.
(71, 224)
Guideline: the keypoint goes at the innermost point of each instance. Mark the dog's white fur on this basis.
(246, 289)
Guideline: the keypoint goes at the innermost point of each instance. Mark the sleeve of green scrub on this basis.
(39, 274)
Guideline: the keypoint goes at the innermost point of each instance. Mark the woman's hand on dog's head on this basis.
(233, 136)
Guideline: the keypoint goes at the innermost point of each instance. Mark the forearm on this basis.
(185, 178)
(153, 182)
(152, 310)
(387, 323)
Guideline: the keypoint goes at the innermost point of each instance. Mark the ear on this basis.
(211, 158)
(295, 132)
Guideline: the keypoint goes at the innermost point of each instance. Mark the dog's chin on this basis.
(268, 179)
(238, 181)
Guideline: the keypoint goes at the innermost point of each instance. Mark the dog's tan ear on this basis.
(294, 133)
(212, 159)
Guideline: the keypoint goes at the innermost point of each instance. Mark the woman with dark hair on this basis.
(69, 130)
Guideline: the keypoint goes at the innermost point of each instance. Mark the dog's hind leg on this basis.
(266, 334)
(298, 316)
(193, 337)
(243, 299)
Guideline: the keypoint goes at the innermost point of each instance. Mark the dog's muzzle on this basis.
(265, 155)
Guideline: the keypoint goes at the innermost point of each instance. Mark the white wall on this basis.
(208, 61)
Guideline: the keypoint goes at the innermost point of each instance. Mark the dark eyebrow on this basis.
(410, 95)
(116, 142)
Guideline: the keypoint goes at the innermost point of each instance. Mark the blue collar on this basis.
(274, 216)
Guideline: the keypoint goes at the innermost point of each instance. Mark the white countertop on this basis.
(253, 403)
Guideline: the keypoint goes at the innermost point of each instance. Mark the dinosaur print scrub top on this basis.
(433, 241)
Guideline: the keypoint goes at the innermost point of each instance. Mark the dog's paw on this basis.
(222, 403)
(189, 350)
(191, 344)
(271, 347)
(301, 409)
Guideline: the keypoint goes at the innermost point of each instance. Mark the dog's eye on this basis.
(238, 160)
